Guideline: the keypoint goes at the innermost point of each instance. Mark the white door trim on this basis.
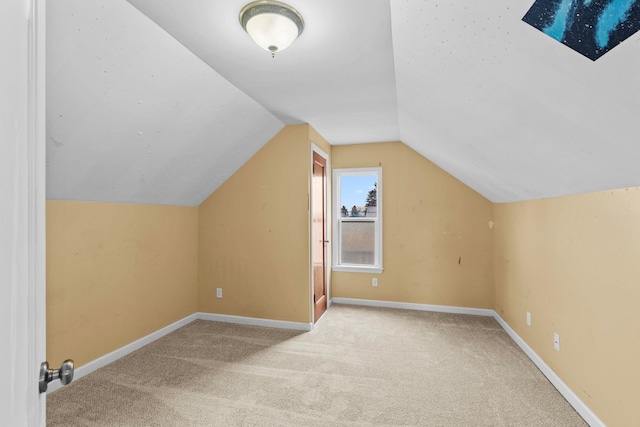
(325, 156)
(22, 212)
(37, 206)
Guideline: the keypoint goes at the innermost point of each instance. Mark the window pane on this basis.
(358, 242)
(358, 196)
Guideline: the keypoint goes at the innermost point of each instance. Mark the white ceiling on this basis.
(163, 108)
(134, 117)
(338, 76)
(508, 110)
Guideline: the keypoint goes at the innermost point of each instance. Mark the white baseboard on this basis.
(564, 390)
(412, 306)
(129, 348)
(555, 380)
(255, 321)
(122, 351)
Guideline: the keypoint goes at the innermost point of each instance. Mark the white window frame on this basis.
(338, 220)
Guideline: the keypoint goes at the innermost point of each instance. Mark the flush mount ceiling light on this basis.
(271, 24)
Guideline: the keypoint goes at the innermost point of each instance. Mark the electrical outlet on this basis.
(528, 319)
(556, 341)
(218, 292)
(374, 281)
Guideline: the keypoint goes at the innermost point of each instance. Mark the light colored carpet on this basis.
(360, 366)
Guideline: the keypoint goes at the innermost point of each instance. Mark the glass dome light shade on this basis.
(272, 25)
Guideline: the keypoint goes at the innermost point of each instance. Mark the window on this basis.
(357, 231)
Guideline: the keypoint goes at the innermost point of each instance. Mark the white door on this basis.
(22, 204)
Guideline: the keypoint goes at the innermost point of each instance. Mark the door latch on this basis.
(64, 374)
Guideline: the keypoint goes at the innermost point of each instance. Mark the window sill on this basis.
(357, 269)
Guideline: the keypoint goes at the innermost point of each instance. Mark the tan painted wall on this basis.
(430, 221)
(254, 234)
(115, 273)
(573, 262)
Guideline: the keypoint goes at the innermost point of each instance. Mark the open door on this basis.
(22, 217)
(319, 234)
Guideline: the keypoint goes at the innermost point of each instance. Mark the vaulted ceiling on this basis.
(160, 101)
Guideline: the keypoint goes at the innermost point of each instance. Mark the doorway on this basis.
(319, 241)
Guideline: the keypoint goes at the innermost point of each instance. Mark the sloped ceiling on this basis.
(509, 111)
(134, 117)
(337, 77)
(162, 102)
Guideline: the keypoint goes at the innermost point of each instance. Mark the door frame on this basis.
(37, 207)
(325, 156)
(25, 299)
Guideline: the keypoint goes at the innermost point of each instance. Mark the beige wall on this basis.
(115, 273)
(319, 140)
(430, 222)
(254, 234)
(573, 262)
